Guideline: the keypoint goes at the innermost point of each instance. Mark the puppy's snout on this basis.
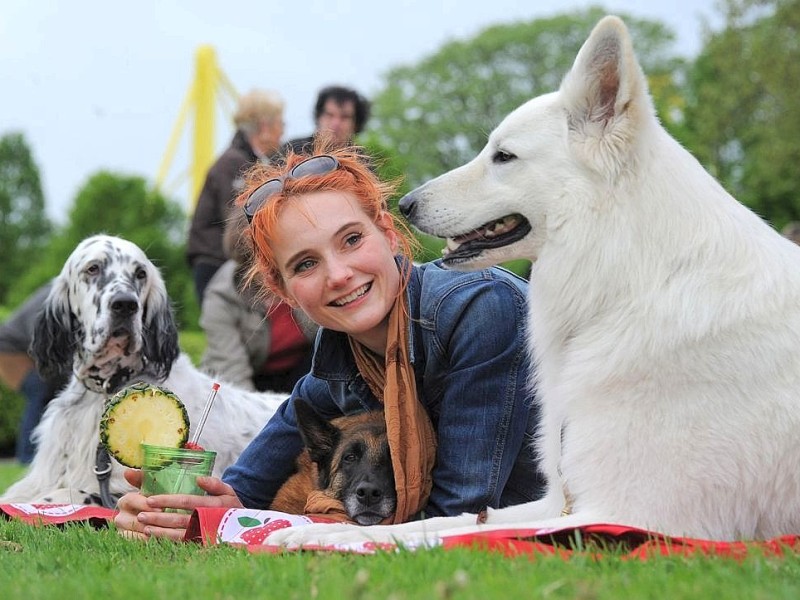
(124, 305)
(408, 206)
(368, 493)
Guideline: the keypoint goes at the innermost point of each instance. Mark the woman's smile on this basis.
(352, 296)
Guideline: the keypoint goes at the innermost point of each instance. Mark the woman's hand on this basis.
(141, 517)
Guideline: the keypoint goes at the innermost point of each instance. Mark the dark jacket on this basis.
(16, 333)
(223, 183)
(303, 145)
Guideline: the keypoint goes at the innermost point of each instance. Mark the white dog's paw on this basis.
(314, 534)
(425, 532)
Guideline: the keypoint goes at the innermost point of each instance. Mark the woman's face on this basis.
(338, 265)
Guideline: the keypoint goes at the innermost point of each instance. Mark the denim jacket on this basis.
(468, 350)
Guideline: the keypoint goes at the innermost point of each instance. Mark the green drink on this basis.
(174, 470)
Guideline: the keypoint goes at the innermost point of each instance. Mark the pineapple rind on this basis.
(142, 413)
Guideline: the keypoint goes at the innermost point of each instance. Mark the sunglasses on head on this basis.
(316, 165)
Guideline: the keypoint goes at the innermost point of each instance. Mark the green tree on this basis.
(391, 166)
(125, 206)
(743, 105)
(24, 226)
(436, 114)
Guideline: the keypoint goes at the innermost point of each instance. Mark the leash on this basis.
(102, 470)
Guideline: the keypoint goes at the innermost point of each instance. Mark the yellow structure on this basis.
(210, 84)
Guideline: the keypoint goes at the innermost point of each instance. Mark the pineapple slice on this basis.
(142, 413)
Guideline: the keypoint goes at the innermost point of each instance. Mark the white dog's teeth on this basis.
(495, 230)
(451, 245)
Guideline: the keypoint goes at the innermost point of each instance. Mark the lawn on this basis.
(80, 562)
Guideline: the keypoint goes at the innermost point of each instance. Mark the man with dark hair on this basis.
(339, 113)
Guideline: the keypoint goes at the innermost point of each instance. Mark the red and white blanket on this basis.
(249, 528)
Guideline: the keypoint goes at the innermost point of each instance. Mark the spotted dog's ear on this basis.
(54, 337)
(160, 334)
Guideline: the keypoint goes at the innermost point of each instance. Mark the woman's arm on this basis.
(269, 459)
(485, 399)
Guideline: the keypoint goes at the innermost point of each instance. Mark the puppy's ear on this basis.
(160, 333)
(53, 344)
(319, 436)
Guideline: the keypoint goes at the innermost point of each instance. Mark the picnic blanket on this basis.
(249, 529)
(58, 514)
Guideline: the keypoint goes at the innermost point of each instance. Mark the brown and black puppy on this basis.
(346, 458)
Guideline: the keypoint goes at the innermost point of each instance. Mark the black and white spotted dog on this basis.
(109, 319)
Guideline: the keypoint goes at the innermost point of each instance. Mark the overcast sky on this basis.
(98, 85)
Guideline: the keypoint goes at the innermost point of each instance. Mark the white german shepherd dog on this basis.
(666, 317)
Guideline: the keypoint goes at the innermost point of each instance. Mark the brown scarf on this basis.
(412, 440)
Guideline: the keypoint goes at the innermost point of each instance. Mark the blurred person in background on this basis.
(339, 114)
(18, 371)
(259, 129)
(254, 341)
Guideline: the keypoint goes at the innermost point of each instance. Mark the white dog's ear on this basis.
(605, 92)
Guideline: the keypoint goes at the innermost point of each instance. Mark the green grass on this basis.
(9, 473)
(193, 343)
(80, 562)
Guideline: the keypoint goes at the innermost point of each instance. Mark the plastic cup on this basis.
(174, 470)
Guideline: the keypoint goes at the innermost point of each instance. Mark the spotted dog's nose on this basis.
(124, 305)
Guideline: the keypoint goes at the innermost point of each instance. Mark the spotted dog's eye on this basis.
(141, 273)
(93, 269)
(503, 157)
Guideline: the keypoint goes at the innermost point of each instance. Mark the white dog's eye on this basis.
(141, 273)
(93, 269)
(502, 157)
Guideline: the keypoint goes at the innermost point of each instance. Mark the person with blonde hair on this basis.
(441, 352)
(259, 129)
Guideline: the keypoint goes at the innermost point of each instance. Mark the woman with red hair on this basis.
(442, 352)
